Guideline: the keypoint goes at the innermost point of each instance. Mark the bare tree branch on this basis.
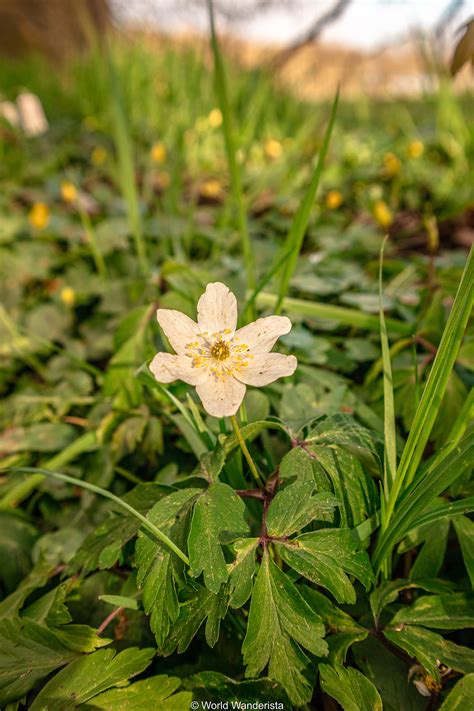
(312, 34)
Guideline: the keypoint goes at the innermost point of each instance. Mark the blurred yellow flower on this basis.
(333, 199)
(392, 164)
(68, 296)
(415, 149)
(273, 148)
(68, 191)
(382, 214)
(99, 155)
(39, 215)
(211, 188)
(215, 118)
(158, 152)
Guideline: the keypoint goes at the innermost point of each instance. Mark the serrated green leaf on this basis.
(389, 590)
(349, 482)
(203, 605)
(146, 695)
(345, 432)
(211, 685)
(430, 648)
(461, 696)
(89, 676)
(343, 630)
(36, 578)
(447, 612)
(241, 571)
(279, 621)
(101, 548)
(464, 528)
(218, 517)
(350, 688)
(28, 652)
(157, 566)
(324, 557)
(295, 506)
(296, 464)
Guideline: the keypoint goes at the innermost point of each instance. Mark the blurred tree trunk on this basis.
(55, 28)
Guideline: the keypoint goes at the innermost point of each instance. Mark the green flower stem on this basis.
(108, 495)
(246, 453)
(92, 242)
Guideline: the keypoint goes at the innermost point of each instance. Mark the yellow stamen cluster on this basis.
(220, 350)
(222, 357)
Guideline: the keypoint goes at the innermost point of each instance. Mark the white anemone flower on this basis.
(214, 357)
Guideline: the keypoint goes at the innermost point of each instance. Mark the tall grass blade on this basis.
(296, 234)
(420, 494)
(390, 438)
(231, 149)
(126, 167)
(107, 495)
(340, 314)
(436, 384)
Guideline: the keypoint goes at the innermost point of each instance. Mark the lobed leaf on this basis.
(324, 557)
(279, 622)
(350, 688)
(218, 518)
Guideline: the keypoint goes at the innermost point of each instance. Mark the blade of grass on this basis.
(390, 439)
(448, 510)
(18, 493)
(420, 494)
(330, 312)
(92, 241)
(107, 495)
(296, 234)
(128, 186)
(231, 148)
(435, 387)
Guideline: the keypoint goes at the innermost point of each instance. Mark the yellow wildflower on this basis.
(215, 118)
(39, 215)
(333, 199)
(68, 296)
(273, 148)
(211, 188)
(99, 155)
(68, 191)
(158, 152)
(382, 214)
(392, 164)
(415, 149)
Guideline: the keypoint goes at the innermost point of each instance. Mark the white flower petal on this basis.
(179, 328)
(167, 367)
(217, 309)
(261, 335)
(265, 368)
(221, 396)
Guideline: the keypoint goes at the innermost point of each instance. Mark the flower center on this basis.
(220, 350)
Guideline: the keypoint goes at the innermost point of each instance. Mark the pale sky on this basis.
(365, 24)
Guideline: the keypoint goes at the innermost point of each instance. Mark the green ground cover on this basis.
(157, 176)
